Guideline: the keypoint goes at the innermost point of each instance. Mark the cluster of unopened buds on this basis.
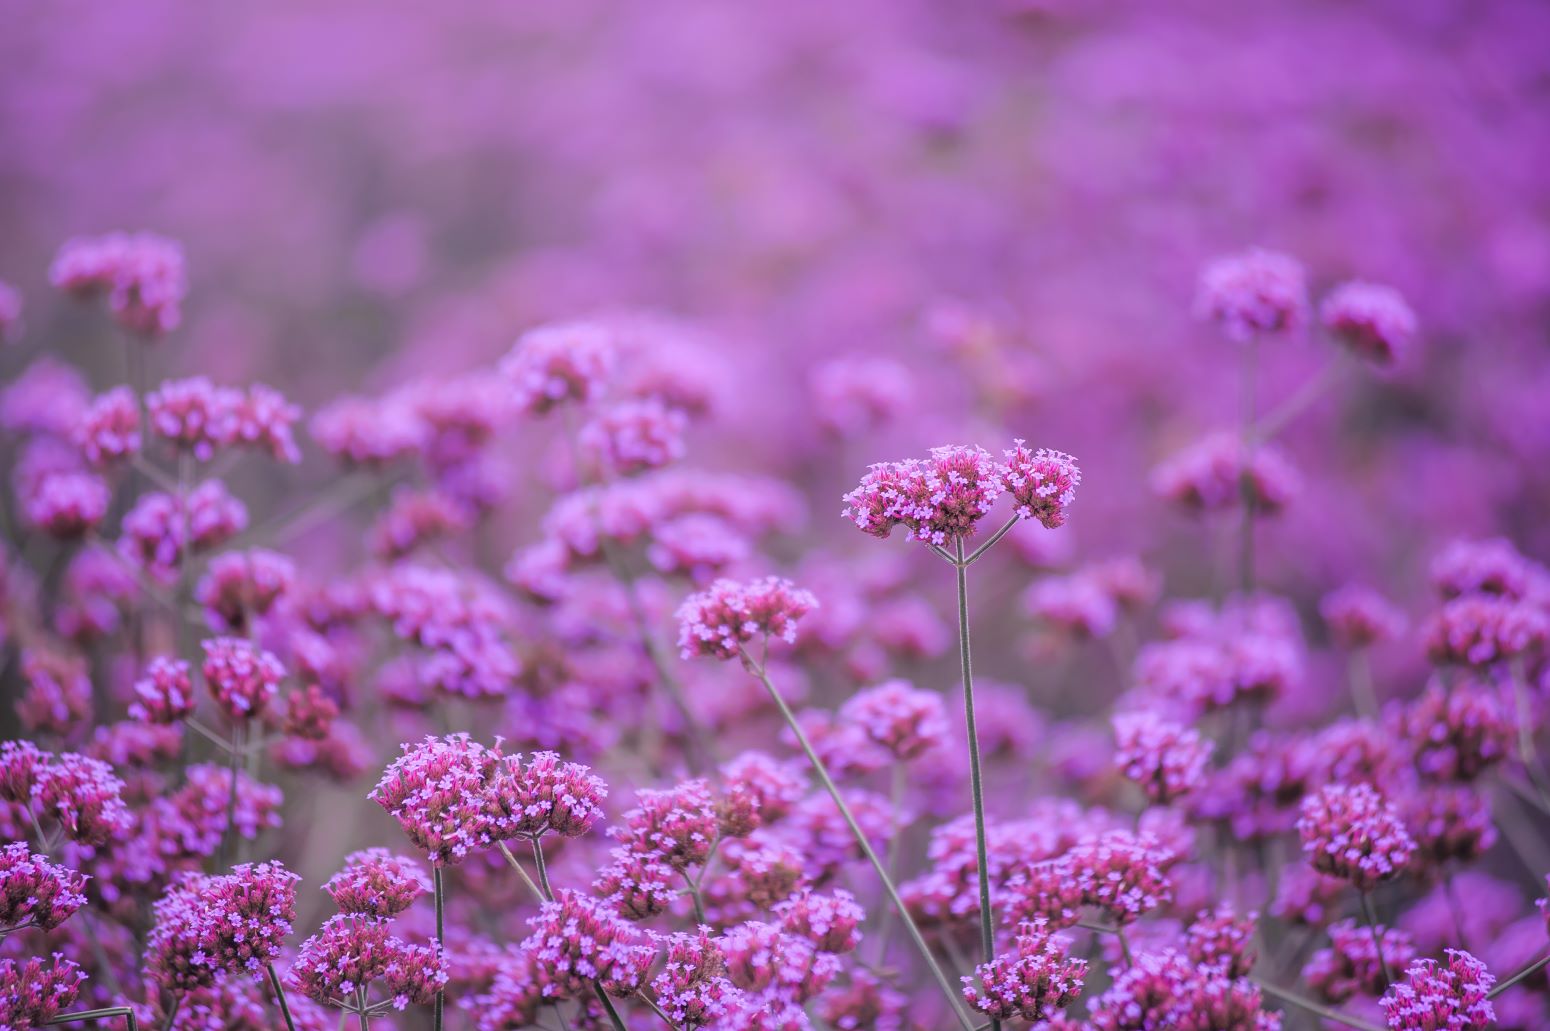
(802, 834)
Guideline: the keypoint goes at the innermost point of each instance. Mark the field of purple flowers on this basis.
(895, 515)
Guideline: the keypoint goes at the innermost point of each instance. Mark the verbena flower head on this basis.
(35, 892)
(264, 420)
(141, 274)
(1167, 990)
(1166, 760)
(1441, 997)
(632, 437)
(1359, 617)
(1123, 874)
(1042, 483)
(1490, 566)
(555, 364)
(1030, 983)
(1351, 963)
(246, 915)
(377, 883)
(937, 500)
(438, 791)
(678, 826)
(84, 797)
(1214, 474)
(310, 714)
(902, 719)
(754, 781)
(639, 885)
(1458, 733)
(1253, 293)
(35, 991)
(546, 795)
(194, 415)
(1351, 833)
(109, 430)
(1371, 320)
(66, 504)
(242, 677)
(353, 953)
(1221, 939)
(21, 763)
(762, 957)
(1481, 630)
(718, 621)
(577, 942)
(831, 922)
(241, 585)
(692, 988)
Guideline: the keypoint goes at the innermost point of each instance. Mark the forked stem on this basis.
(976, 782)
(822, 772)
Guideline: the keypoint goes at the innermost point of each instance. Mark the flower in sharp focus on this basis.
(1031, 982)
(352, 953)
(35, 991)
(35, 892)
(376, 883)
(1042, 483)
(438, 791)
(1350, 832)
(1451, 996)
(547, 795)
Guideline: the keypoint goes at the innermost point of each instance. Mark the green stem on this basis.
(543, 869)
(976, 781)
(822, 772)
(1371, 916)
(537, 892)
(279, 993)
(438, 882)
(1528, 971)
(608, 1004)
(98, 1014)
(172, 1014)
(1301, 1002)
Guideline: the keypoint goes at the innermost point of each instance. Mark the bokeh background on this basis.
(1009, 200)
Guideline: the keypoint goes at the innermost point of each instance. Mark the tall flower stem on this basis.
(1529, 971)
(537, 892)
(822, 772)
(438, 884)
(99, 1014)
(230, 831)
(172, 1013)
(279, 993)
(1362, 690)
(543, 870)
(1371, 916)
(1248, 445)
(1527, 753)
(896, 808)
(1315, 1008)
(976, 781)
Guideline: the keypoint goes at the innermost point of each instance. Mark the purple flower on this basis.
(632, 437)
(718, 621)
(352, 953)
(905, 721)
(1359, 617)
(35, 892)
(438, 792)
(1351, 833)
(109, 430)
(1438, 997)
(555, 364)
(1351, 963)
(1042, 483)
(141, 274)
(1167, 760)
(34, 992)
(377, 883)
(1256, 292)
(1215, 474)
(242, 677)
(1030, 983)
(1371, 320)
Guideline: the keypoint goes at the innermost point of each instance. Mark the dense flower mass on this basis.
(482, 367)
(719, 621)
(1353, 834)
(1032, 983)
